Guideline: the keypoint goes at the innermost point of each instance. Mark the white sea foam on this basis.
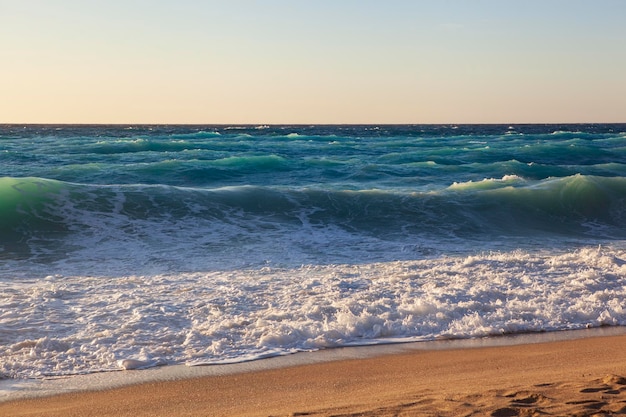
(64, 325)
(488, 183)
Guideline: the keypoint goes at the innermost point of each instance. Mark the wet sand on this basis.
(582, 377)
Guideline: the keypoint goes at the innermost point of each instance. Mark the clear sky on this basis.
(315, 61)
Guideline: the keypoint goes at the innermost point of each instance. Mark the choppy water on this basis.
(208, 244)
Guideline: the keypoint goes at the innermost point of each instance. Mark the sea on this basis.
(135, 246)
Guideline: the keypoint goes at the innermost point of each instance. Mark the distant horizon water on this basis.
(253, 124)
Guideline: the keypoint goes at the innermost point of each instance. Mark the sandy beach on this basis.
(582, 377)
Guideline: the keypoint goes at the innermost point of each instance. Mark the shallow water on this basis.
(13, 389)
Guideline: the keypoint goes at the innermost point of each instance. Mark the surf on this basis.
(136, 246)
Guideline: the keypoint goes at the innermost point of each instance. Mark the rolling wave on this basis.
(35, 211)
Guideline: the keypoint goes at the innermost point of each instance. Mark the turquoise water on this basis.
(239, 221)
(439, 188)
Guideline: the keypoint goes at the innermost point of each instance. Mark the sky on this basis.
(312, 62)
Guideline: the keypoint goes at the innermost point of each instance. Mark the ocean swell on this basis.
(45, 217)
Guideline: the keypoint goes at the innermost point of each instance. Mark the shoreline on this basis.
(17, 389)
(446, 378)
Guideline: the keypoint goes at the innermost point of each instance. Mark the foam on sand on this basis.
(572, 377)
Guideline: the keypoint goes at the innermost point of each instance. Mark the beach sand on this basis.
(582, 377)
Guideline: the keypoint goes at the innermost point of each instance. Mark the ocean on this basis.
(125, 247)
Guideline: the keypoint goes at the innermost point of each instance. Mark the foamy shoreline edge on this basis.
(12, 390)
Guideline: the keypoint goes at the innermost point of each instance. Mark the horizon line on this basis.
(303, 124)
